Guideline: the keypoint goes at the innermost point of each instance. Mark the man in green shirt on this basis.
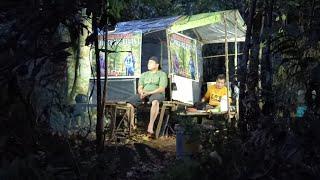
(151, 88)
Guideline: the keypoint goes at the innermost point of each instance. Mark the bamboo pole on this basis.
(222, 55)
(236, 62)
(235, 47)
(226, 62)
(169, 64)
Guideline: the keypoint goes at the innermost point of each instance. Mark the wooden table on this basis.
(200, 114)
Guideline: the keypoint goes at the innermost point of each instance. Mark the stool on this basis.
(113, 108)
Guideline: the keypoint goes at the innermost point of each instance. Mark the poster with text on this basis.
(183, 56)
(124, 54)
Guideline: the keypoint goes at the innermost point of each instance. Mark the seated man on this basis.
(151, 88)
(214, 94)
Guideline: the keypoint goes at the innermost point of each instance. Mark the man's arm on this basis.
(141, 84)
(140, 89)
(206, 96)
(158, 90)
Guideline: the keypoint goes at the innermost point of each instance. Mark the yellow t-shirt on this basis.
(214, 95)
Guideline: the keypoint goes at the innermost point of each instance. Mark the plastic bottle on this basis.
(224, 104)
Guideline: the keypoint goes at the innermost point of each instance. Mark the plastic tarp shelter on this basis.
(206, 27)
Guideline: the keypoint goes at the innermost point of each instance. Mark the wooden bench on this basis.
(167, 105)
(171, 106)
(113, 107)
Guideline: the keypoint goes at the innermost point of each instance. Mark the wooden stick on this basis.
(222, 55)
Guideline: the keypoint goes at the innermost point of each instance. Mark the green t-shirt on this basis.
(151, 81)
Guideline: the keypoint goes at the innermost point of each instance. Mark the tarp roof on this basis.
(146, 25)
(207, 27)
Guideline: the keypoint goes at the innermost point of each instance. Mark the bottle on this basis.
(224, 104)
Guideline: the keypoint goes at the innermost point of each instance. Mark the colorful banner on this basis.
(183, 56)
(124, 58)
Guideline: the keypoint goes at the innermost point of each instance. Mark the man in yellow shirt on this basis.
(216, 92)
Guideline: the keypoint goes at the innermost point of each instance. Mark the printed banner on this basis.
(124, 58)
(183, 56)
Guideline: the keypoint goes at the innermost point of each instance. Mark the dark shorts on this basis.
(135, 100)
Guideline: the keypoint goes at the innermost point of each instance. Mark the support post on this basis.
(236, 61)
(226, 62)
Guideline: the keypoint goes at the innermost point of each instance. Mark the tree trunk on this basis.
(267, 64)
(260, 54)
(253, 91)
(247, 46)
(105, 87)
(243, 65)
(99, 126)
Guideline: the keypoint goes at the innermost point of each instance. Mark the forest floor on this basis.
(223, 155)
(140, 158)
(135, 158)
(43, 154)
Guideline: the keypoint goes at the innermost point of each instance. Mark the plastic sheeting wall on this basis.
(118, 89)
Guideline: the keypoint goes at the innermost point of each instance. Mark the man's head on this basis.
(221, 79)
(153, 63)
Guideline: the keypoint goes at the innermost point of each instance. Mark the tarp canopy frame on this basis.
(206, 27)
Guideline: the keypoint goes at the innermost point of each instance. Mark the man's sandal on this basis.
(148, 136)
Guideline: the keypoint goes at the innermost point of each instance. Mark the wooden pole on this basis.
(226, 61)
(169, 64)
(236, 61)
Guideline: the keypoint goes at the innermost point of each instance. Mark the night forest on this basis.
(44, 45)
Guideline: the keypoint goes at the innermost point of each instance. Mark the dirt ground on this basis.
(138, 158)
(134, 158)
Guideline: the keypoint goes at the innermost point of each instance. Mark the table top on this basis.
(201, 113)
(115, 103)
(176, 103)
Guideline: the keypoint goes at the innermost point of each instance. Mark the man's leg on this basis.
(132, 102)
(153, 115)
(131, 72)
(130, 115)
